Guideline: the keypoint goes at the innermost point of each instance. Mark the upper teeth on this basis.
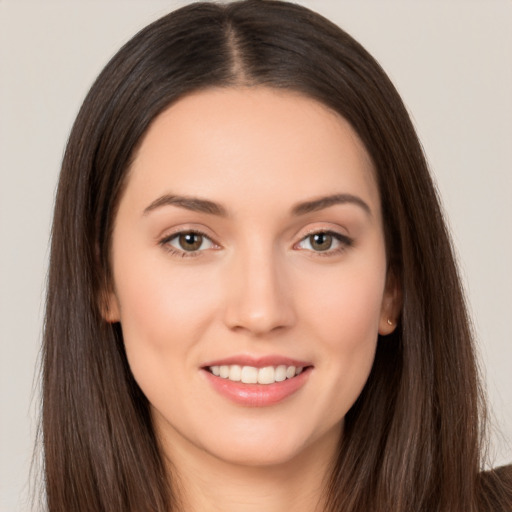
(253, 375)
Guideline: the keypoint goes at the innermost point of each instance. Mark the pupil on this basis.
(191, 241)
(321, 241)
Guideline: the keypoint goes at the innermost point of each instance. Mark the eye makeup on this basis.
(192, 242)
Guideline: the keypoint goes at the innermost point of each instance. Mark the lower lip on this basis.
(257, 395)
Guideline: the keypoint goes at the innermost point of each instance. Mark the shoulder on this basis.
(495, 490)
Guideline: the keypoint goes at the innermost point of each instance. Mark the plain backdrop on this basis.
(452, 63)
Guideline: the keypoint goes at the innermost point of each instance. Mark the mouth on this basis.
(254, 375)
(257, 382)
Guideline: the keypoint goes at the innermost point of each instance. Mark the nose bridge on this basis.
(258, 298)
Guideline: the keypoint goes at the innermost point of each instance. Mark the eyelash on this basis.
(344, 241)
(165, 243)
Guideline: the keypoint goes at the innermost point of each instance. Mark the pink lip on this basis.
(257, 395)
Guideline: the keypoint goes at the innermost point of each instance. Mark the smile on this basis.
(257, 382)
(252, 375)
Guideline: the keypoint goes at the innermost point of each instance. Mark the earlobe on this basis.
(109, 307)
(391, 305)
(107, 301)
(386, 326)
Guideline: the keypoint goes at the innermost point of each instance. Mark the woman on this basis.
(253, 302)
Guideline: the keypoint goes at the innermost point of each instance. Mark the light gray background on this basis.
(451, 61)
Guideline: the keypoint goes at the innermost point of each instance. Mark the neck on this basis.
(203, 482)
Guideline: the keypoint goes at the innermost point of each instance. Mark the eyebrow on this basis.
(205, 206)
(327, 201)
(189, 203)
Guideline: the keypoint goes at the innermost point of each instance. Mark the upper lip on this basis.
(258, 361)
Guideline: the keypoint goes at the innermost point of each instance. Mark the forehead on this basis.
(251, 143)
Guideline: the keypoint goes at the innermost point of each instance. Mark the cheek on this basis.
(345, 307)
(163, 317)
(154, 296)
(163, 313)
(344, 315)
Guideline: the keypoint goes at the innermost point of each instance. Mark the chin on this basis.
(272, 446)
(256, 455)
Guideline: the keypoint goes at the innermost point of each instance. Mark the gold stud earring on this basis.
(389, 322)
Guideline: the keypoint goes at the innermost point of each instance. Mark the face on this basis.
(249, 274)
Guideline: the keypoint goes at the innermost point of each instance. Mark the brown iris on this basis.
(321, 241)
(190, 241)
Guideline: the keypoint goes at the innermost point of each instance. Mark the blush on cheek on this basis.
(163, 313)
(349, 313)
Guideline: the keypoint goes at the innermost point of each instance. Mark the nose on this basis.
(259, 299)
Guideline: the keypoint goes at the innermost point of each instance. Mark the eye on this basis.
(325, 241)
(188, 242)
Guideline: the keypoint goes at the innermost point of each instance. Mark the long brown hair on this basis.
(412, 440)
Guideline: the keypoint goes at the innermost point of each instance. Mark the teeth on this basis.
(249, 375)
(281, 373)
(252, 375)
(290, 372)
(235, 373)
(266, 375)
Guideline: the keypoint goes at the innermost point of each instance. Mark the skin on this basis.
(256, 286)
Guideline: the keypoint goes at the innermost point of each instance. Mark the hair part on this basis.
(412, 440)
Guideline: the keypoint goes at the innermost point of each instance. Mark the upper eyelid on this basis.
(332, 231)
(335, 234)
(168, 239)
(322, 226)
(170, 234)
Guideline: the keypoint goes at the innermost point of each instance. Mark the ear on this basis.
(391, 304)
(109, 307)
